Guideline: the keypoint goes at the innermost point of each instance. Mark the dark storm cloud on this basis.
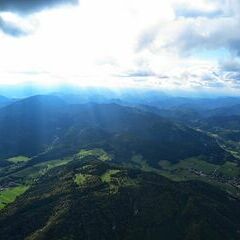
(12, 29)
(31, 6)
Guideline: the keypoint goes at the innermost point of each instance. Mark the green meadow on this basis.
(18, 159)
(10, 194)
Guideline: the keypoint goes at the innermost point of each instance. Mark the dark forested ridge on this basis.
(119, 169)
(94, 200)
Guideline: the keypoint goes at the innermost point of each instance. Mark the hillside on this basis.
(89, 199)
(4, 101)
(100, 170)
(48, 126)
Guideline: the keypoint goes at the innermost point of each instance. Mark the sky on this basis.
(170, 44)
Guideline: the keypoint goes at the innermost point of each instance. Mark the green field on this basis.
(106, 177)
(139, 161)
(18, 159)
(228, 169)
(54, 163)
(81, 179)
(97, 152)
(32, 173)
(25, 177)
(10, 194)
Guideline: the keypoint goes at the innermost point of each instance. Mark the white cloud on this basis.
(129, 42)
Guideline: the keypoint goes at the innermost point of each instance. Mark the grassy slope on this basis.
(20, 178)
(229, 169)
(19, 173)
(97, 152)
(9, 195)
(19, 159)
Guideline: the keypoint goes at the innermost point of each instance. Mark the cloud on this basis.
(208, 25)
(201, 30)
(199, 8)
(146, 38)
(12, 29)
(30, 6)
(230, 69)
(151, 43)
(223, 32)
(230, 65)
(141, 73)
(22, 9)
(193, 13)
(15, 26)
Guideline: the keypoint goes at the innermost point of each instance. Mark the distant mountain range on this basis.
(48, 124)
(4, 101)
